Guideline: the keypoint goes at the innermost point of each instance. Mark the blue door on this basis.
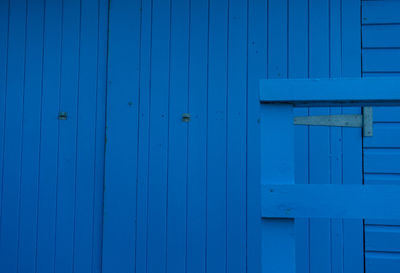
(52, 116)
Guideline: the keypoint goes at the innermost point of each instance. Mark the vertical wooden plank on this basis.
(4, 29)
(177, 137)
(278, 235)
(257, 69)
(197, 138)
(319, 66)
(353, 233)
(144, 136)
(14, 101)
(121, 147)
(277, 38)
(236, 136)
(68, 101)
(298, 68)
(49, 137)
(158, 153)
(31, 136)
(277, 166)
(216, 149)
(100, 135)
(336, 138)
(86, 136)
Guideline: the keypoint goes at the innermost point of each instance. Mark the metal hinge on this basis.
(364, 121)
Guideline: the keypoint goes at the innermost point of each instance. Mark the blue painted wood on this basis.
(197, 139)
(158, 149)
(86, 177)
(236, 137)
(380, 12)
(380, 36)
(217, 136)
(39, 228)
(381, 160)
(12, 142)
(330, 201)
(319, 138)
(382, 238)
(49, 137)
(386, 135)
(378, 261)
(121, 160)
(177, 138)
(100, 139)
(4, 25)
(67, 148)
(257, 69)
(353, 235)
(277, 166)
(31, 137)
(381, 60)
(298, 68)
(143, 138)
(331, 91)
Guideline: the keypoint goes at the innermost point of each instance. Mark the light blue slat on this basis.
(380, 36)
(349, 91)
(13, 124)
(382, 179)
(121, 145)
(385, 114)
(31, 139)
(217, 135)
(49, 138)
(386, 135)
(331, 201)
(380, 12)
(236, 140)
(177, 138)
(197, 142)
(382, 262)
(68, 102)
(381, 60)
(382, 238)
(381, 160)
(86, 156)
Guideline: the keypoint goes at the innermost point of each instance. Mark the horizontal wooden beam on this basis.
(331, 201)
(332, 92)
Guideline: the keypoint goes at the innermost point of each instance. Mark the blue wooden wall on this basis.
(185, 195)
(179, 196)
(380, 55)
(52, 59)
